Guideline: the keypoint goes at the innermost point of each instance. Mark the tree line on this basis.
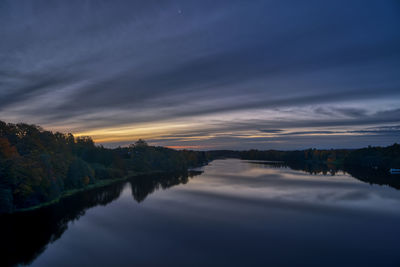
(38, 166)
(382, 158)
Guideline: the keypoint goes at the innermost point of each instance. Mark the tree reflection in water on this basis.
(370, 176)
(25, 235)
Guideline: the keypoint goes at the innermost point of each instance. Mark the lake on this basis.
(233, 212)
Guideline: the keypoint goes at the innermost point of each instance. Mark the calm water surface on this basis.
(234, 213)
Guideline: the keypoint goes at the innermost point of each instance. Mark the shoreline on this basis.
(98, 184)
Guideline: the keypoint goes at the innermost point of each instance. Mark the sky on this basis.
(205, 74)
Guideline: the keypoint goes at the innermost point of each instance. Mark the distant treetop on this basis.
(140, 143)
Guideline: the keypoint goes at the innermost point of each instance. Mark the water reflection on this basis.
(143, 186)
(235, 213)
(370, 176)
(26, 235)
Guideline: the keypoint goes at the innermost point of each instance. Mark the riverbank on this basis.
(98, 184)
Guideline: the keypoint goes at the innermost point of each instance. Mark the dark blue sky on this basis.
(205, 74)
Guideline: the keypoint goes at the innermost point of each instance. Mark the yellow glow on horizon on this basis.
(144, 131)
(185, 131)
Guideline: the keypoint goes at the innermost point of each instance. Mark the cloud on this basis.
(80, 67)
(382, 130)
(271, 130)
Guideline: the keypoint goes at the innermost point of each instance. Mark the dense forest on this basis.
(37, 166)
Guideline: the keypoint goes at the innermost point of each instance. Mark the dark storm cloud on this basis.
(96, 64)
